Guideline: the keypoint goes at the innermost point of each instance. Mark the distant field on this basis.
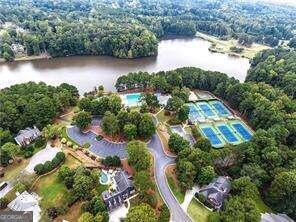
(223, 46)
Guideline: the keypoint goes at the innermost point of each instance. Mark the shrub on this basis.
(63, 140)
(112, 161)
(49, 165)
(39, 169)
(28, 154)
(3, 203)
(69, 144)
(195, 132)
(19, 187)
(99, 137)
(86, 145)
(164, 214)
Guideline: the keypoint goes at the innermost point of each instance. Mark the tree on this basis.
(240, 209)
(5, 136)
(39, 169)
(110, 124)
(123, 118)
(52, 131)
(206, 175)
(130, 131)
(282, 192)
(186, 172)
(182, 113)
(177, 143)
(150, 100)
(146, 127)
(86, 217)
(96, 205)
(114, 104)
(142, 181)
(82, 119)
(11, 148)
(82, 186)
(20, 187)
(138, 155)
(174, 104)
(292, 43)
(142, 212)
(112, 161)
(85, 104)
(204, 144)
(64, 172)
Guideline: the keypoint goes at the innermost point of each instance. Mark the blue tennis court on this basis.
(228, 133)
(220, 108)
(212, 136)
(242, 130)
(206, 109)
(193, 112)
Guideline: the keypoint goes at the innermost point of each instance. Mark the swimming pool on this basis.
(242, 130)
(220, 108)
(104, 178)
(210, 133)
(228, 133)
(132, 99)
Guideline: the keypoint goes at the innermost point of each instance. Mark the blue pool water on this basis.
(227, 133)
(211, 135)
(103, 178)
(221, 109)
(206, 109)
(241, 129)
(133, 99)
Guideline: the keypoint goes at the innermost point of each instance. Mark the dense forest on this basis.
(264, 166)
(130, 29)
(32, 103)
(276, 67)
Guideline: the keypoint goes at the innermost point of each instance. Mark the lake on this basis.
(85, 72)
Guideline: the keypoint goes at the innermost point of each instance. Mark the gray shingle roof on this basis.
(25, 136)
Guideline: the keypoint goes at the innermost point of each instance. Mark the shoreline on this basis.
(223, 46)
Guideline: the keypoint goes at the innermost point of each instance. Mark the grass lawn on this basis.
(197, 211)
(51, 190)
(223, 46)
(14, 169)
(179, 194)
(161, 117)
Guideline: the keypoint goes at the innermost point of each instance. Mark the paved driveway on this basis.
(161, 162)
(105, 148)
(102, 148)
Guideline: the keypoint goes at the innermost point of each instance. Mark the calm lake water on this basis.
(85, 72)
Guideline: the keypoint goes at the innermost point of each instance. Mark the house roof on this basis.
(270, 217)
(27, 133)
(216, 191)
(26, 202)
(122, 180)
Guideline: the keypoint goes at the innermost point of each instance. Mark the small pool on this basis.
(104, 178)
(132, 99)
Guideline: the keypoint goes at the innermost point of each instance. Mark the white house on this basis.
(26, 202)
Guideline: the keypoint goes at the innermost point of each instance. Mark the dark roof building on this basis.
(124, 189)
(26, 136)
(216, 191)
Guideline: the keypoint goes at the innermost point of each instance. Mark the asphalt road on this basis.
(161, 161)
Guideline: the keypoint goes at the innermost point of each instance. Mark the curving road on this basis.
(161, 161)
(105, 148)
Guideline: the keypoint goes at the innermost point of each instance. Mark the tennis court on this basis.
(194, 114)
(206, 109)
(220, 108)
(242, 130)
(212, 136)
(228, 133)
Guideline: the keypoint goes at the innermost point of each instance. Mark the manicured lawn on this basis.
(197, 211)
(51, 190)
(14, 169)
(223, 46)
(179, 194)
